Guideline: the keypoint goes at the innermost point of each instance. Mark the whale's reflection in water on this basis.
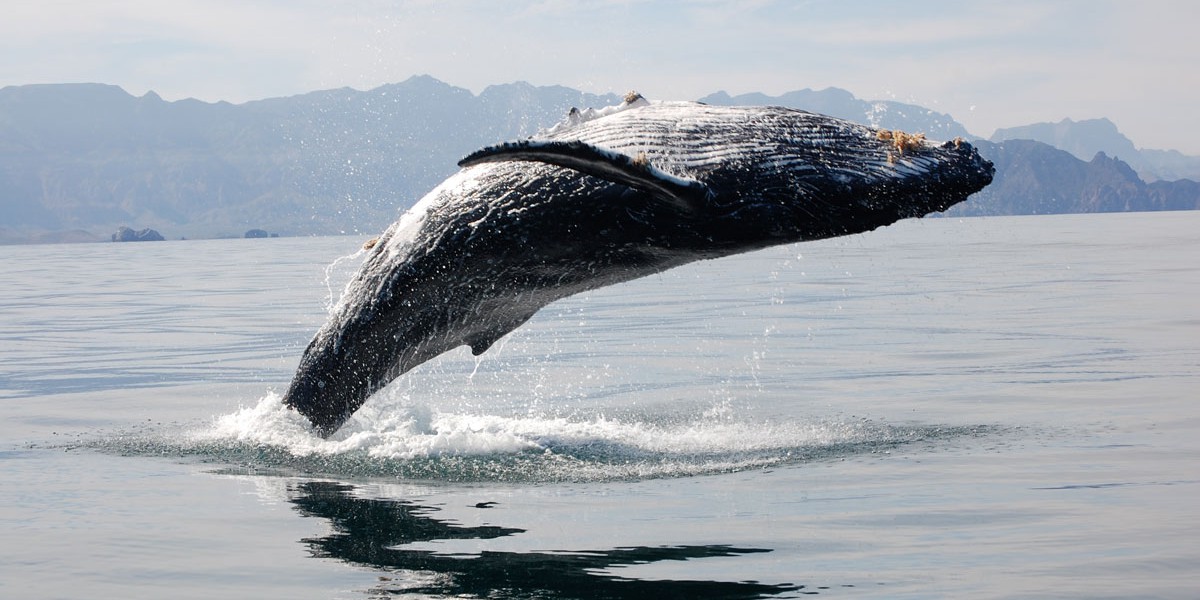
(373, 533)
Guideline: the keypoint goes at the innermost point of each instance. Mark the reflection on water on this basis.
(372, 532)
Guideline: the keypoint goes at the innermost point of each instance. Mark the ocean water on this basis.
(946, 408)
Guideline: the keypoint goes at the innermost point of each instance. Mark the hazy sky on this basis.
(988, 64)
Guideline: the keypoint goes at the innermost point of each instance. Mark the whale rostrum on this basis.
(605, 197)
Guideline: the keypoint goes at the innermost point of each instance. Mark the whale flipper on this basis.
(481, 341)
(633, 171)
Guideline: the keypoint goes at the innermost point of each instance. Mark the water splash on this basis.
(418, 442)
(331, 273)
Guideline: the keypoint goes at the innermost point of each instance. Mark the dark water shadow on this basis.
(372, 533)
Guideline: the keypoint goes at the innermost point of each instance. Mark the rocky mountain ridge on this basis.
(78, 161)
(1087, 138)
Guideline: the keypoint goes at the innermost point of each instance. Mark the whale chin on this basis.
(601, 199)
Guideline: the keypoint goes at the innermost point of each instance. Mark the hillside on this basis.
(78, 161)
(1087, 138)
(1033, 178)
(92, 157)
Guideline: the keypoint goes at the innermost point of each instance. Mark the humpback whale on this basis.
(607, 196)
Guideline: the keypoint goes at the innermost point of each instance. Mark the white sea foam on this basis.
(415, 441)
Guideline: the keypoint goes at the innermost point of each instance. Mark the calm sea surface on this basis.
(946, 408)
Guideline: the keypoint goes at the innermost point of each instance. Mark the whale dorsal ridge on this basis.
(589, 159)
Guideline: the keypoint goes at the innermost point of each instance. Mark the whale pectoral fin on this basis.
(481, 339)
(480, 344)
(635, 172)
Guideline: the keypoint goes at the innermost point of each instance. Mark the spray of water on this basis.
(395, 438)
(332, 273)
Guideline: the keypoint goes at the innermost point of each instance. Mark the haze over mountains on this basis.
(78, 161)
(1084, 139)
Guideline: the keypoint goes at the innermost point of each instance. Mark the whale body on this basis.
(604, 197)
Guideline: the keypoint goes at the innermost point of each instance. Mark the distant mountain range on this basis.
(1034, 178)
(78, 161)
(1085, 139)
(91, 157)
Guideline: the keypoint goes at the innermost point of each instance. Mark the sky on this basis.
(989, 64)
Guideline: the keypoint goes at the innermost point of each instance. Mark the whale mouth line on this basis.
(419, 444)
